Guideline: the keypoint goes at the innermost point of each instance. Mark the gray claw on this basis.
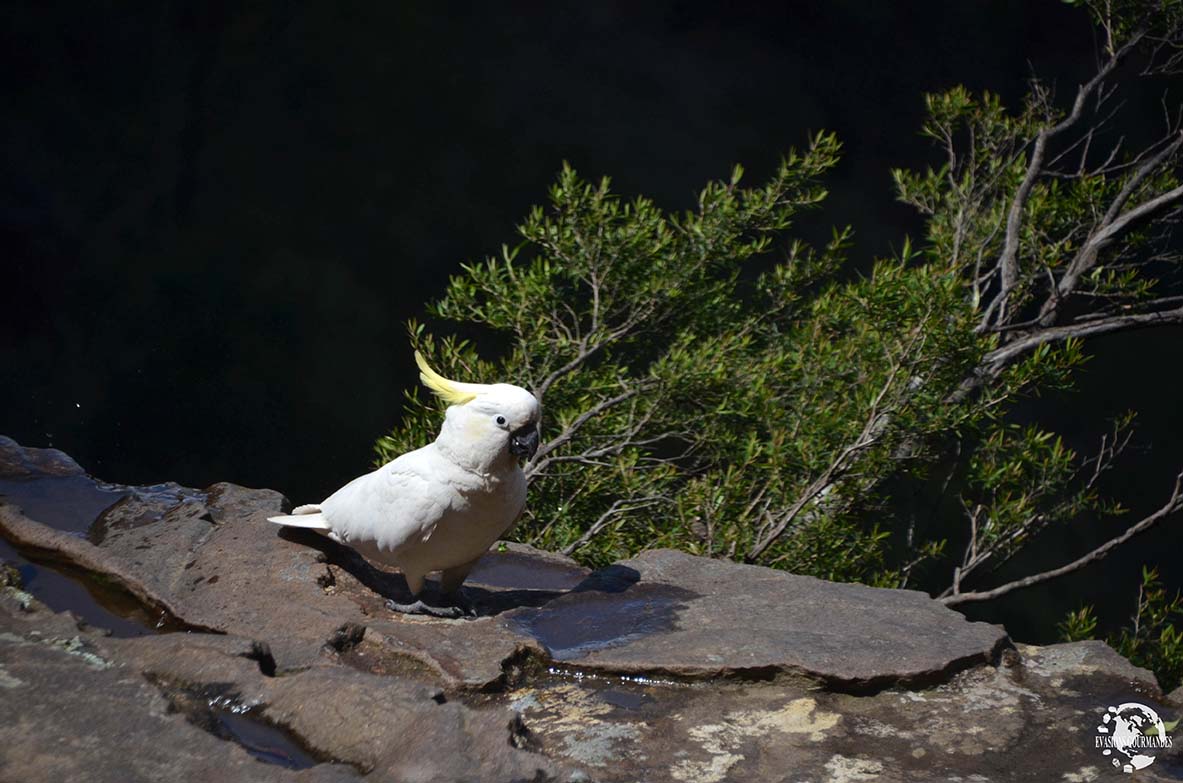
(462, 603)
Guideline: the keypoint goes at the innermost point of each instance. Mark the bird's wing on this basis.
(397, 503)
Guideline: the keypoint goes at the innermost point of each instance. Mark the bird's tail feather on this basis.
(308, 516)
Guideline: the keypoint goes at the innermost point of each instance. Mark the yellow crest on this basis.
(450, 392)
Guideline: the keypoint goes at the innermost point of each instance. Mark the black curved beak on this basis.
(523, 443)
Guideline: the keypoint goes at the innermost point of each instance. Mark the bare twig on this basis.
(1008, 261)
(999, 358)
(540, 460)
(1112, 224)
(618, 507)
(1174, 504)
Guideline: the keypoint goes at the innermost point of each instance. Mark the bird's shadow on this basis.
(391, 585)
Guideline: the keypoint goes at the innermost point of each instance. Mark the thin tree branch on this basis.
(1110, 226)
(1008, 261)
(1173, 504)
(1140, 176)
(999, 358)
(870, 434)
(618, 507)
(1151, 305)
(540, 460)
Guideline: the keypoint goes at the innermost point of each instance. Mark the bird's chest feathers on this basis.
(481, 508)
(474, 492)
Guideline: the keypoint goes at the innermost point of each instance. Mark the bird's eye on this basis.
(501, 421)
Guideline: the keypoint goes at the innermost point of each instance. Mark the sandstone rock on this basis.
(16, 461)
(24, 532)
(480, 655)
(669, 613)
(404, 730)
(1005, 723)
(159, 694)
(218, 565)
(74, 713)
(1082, 659)
(662, 667)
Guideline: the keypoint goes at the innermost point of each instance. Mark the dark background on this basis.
(218, 217)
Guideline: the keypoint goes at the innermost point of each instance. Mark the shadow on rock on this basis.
(487, 600)
(384, 584)
(611, 579)
(608, 609)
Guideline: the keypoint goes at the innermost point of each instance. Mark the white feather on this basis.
(302, 519)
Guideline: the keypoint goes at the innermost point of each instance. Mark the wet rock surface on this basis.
(189, 706)
(76, 710)
(275, 659)
(675, 614)
(17, 461)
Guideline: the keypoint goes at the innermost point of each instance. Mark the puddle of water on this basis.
(265, 742)
(585, 677)
(101, 607)
(72, 504)
(229, 719)
(588, 621)
(627, 700)
(522, 572)
(67, 503)
(570, 712)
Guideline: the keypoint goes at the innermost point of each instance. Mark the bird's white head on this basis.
(487, 426)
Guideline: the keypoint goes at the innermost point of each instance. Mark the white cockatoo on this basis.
(441, 507)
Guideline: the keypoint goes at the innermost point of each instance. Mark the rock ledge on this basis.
(662, 667)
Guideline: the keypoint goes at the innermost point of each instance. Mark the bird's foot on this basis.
(418, 607)
(461, 608)
(461, 602)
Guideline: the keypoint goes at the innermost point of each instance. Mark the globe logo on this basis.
(1130, 734)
